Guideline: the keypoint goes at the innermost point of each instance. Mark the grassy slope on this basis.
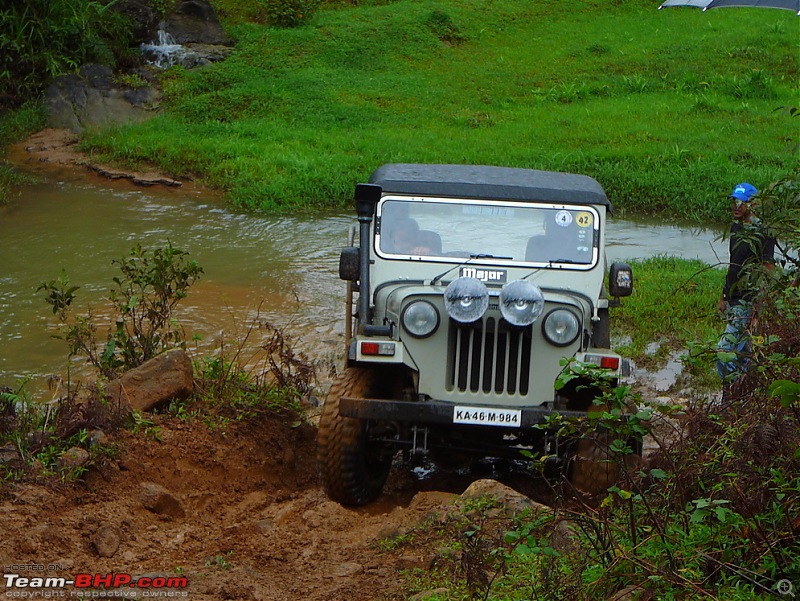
(668, 109)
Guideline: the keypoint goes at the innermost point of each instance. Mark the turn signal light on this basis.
(385, 349)
(603, 361)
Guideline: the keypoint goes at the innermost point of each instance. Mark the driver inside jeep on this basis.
(406, 238)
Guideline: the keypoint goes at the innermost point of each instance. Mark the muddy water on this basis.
(283, 269)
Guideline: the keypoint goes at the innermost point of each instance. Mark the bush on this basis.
(289, 13)
(143, 298)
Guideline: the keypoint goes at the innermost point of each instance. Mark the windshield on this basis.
(451, 230)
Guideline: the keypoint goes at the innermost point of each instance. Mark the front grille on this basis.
(489, 356)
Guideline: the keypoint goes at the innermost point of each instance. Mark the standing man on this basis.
(749, 245)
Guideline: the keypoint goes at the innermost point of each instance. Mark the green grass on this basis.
(674, 304)
(16, 125)
(667, 109)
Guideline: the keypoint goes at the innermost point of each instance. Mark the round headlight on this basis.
(466, 299)
(420, 319)
(561, 327)
(521, 302)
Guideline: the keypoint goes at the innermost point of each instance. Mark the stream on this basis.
(282, 269)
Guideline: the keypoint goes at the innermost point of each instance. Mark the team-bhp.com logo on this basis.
(93, 586)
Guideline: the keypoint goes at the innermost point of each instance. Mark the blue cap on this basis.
(744, 192)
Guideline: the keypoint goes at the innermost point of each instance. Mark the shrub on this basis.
(289, 13)
(443, 27)
(143, 299)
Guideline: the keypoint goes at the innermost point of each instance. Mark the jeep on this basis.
(466, 292)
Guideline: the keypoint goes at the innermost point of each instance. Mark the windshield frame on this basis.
(482, 256)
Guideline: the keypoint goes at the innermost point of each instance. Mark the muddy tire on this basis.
(353, 468)
(591, 467)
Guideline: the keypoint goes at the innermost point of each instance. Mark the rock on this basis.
(106, 541)
(154, 382)
(159, 500)
(187, 56)
(564, 537)
(514, 502)
(9, 455)
(73, 458)
(142, 14)
(97, 438)
(140, 179)
(91, 98)
(194, 21)
(632, 593)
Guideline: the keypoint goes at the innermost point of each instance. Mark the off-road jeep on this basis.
(467, 288)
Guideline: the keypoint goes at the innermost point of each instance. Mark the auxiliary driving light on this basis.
(521, 302)
(466, 299)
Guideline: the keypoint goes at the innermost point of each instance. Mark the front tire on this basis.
(591, 468)
(594, 467)
(353, 467)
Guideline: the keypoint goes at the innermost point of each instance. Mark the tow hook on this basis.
(418, 433)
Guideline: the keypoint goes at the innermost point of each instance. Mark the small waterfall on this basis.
(163, 53)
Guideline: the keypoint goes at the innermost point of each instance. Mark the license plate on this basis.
(487, 416)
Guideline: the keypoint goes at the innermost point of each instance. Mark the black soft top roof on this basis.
(497, 183)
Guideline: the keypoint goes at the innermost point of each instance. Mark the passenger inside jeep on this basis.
(563, 241)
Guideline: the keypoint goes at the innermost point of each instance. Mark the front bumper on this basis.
(432, 412)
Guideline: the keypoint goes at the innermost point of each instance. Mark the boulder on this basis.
(92, 98)
(512, 501)
(195, 22)
(154, 382)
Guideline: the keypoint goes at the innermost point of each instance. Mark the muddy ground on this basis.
(238, 510)
(241, 516)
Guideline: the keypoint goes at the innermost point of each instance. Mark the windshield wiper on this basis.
(444, 273)
(485, 256)
(538, 270)
(567, 261)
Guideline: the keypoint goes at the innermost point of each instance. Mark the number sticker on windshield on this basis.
(584, 219)
(564, 218)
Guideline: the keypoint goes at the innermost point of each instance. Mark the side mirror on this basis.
(620, 280)
(349, 262)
